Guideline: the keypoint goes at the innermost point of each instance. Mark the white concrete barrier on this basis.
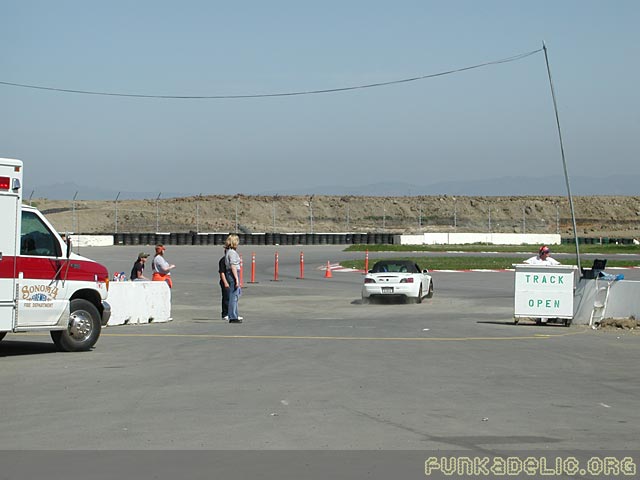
(436, 239)
(409, 239)
(525, 239)
(623, 300)
(139, 302)
(91, 240)
(463, 238)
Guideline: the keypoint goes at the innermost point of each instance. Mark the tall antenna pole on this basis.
(73, 213)
(564, 161)
(198, 212)
(158, 213)
(117, 196)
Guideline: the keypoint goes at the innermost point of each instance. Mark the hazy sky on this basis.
(483, 123)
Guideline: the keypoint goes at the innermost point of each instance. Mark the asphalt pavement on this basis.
(311, 368)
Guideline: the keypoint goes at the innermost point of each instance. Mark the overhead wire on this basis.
(281, 94)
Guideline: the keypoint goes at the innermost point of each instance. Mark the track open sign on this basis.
(544, 279)
(544, 290)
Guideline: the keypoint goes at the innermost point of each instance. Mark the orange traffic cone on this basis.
(327, 272)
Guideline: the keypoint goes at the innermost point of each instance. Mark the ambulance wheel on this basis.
(2, 334)
(83, 330)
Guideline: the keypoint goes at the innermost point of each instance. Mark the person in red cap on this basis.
(162, 268)
(543, 257)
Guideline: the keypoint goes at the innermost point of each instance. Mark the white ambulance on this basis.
(43, 285)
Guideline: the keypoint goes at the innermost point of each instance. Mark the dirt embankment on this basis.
(596, 216)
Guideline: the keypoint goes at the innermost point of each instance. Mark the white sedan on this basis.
(397, 278)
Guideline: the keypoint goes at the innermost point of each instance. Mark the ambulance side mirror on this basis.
(67, 241)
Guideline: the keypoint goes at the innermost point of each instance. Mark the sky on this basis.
(483, 123)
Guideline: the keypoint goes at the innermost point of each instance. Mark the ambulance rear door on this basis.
(10, 204)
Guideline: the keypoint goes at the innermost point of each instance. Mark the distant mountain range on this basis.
(505, 186)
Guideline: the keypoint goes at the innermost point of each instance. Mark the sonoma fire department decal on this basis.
(41, 296)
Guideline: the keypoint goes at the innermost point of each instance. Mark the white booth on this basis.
(545, 291)
(559, 292)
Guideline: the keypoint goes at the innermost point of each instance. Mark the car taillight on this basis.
(369, 280)
(5, 182)
(407, 280)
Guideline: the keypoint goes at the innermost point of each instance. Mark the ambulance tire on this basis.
(83, 330)
(2, 334)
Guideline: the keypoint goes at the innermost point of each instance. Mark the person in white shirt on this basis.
(543, 258)
(232, 264)
(162, 268)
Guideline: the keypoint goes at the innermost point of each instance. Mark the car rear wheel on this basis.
(430, 291)
(419, 298)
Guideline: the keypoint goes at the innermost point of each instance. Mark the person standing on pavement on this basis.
(162, 268)
(224, 284)
(232, 264)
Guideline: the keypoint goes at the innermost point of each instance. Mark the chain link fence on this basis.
(256, 214)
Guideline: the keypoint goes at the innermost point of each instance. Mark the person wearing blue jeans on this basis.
(232, 263)
(224, 284)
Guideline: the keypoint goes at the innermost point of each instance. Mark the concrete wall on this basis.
(623, 301)
(139, 302)
(468, 238)
(91, 240)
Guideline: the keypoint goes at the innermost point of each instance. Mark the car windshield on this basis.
(395, 267)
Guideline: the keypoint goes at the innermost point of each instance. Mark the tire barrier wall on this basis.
(601, 241)
(251, 238)
(337, 239)
(139, 302)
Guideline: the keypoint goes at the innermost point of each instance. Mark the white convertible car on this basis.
(399, 278)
